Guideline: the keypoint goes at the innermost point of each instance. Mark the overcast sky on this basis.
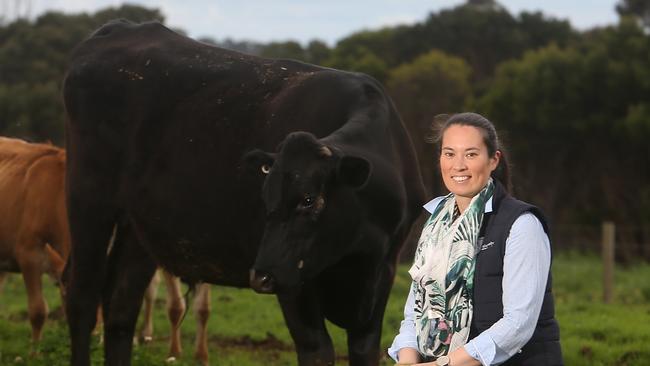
(328, 20)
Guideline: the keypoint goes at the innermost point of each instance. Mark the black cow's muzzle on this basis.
(262, 282)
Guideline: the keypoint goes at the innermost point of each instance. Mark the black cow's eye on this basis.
(307, 202)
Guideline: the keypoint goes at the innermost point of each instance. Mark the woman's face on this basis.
(465, 164)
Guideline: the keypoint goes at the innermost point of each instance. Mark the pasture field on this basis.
(248, 329)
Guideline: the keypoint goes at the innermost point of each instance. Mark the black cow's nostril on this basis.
(262, 282)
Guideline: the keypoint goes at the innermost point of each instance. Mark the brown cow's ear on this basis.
(259, 160)
(354, 171)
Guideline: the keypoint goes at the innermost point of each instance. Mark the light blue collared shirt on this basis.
(526, 264)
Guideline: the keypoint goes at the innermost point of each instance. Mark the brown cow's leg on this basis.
(55, 266)
(99, 324)
(202, 311)
(307, 327)
(37, 307)
(3, 277)
(32, 261)
(175, 310)
(129, 272)
(146, 334)
(55, 263)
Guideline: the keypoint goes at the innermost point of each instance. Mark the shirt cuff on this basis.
(482, 348)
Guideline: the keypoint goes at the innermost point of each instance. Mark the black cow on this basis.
(213, 163)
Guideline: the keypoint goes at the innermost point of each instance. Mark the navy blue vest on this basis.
(543, 349)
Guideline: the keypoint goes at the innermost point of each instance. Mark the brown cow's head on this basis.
(313, 210)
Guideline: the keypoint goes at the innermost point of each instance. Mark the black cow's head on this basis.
(313, 210)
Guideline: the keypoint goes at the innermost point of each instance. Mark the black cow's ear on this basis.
(354, 171)
(258, 159)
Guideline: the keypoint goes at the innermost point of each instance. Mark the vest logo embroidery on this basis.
(487, 246)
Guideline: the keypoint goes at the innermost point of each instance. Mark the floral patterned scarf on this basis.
(443, 274)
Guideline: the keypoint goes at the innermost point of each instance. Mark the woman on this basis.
(481, 291)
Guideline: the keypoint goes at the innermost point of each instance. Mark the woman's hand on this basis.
(459, 357)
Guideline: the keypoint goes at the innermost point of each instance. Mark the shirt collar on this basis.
(431, 205)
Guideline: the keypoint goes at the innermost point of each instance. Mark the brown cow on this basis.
(34, 237)
(175, 310)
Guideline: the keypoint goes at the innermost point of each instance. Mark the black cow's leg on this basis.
(363, 344)
(130, 269)
(307, 327)
(364, 340)
(85, 274)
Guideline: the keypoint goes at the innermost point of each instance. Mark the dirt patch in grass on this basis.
(270, 344)
(630, 357)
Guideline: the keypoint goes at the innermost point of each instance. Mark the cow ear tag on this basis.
(354, 171)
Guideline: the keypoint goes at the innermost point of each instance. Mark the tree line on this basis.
(573, 106)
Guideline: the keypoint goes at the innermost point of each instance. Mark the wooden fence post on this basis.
(609, 232)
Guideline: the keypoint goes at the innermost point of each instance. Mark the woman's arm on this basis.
(526, 266)
(408, 356)
(404, 347)
(459, 357)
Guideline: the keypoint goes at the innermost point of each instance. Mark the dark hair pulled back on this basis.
(442, 122)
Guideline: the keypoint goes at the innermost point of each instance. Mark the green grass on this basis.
(248, 329)
(594, 333)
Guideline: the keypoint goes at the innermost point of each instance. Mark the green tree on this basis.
(288, 49)
(359, 59)
(33, 58)
(379, 43)
(482, 32)
(487, 34)
(317, 52)
(134, 13)
(432, 84)
(639, 9)
(576, 117)
(251, 48)
(536, 102)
